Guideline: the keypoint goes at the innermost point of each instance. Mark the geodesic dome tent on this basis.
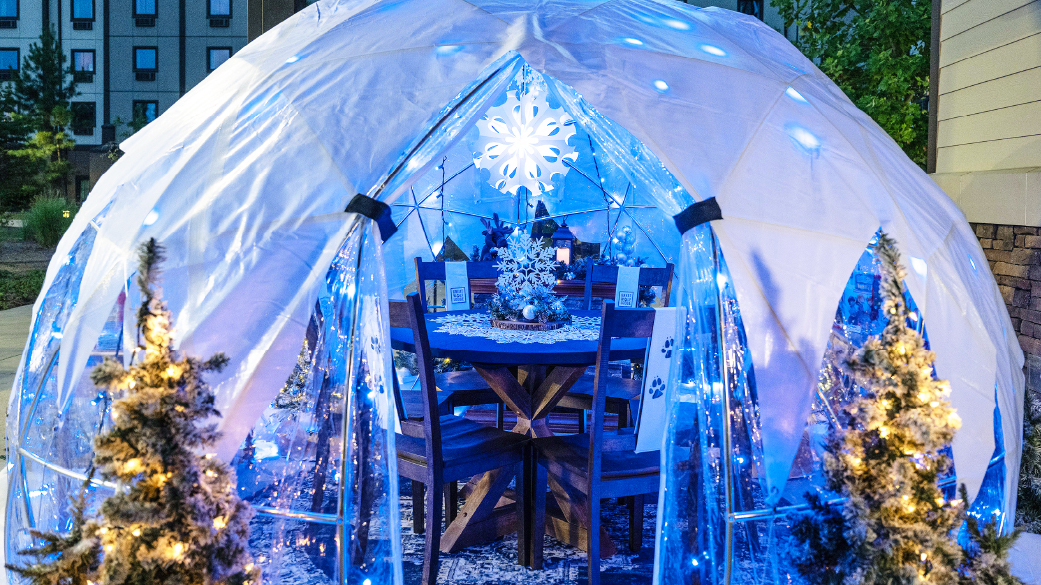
(612, 115)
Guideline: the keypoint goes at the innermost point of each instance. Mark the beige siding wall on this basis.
(989, 108)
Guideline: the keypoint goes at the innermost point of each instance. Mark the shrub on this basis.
(47, 220)
(19, 289)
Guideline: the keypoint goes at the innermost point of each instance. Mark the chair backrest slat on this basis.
(398, 317)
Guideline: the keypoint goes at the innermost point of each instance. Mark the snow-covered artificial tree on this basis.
(65, 559)
(293, 396)
(1028, 504)
(174, 517)
(527, 273)
(895, 526)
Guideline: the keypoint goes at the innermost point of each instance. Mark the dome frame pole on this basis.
(724, 375)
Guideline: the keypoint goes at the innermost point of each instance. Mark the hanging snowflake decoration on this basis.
(524, 142)
(527, 273)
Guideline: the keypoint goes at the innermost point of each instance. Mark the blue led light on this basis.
(661, 86)
(151, 218)
(632, 41)
(676, 24)
(713, 50)
(790, 92)
(804, 138)
(446, 50)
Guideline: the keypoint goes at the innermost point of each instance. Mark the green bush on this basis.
(19, 289)
(47, 220)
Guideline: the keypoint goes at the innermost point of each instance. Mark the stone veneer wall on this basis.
(1014, 253)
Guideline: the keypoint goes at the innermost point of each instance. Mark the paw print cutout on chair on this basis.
(657, 388)
(666, 348)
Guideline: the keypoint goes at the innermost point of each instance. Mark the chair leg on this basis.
(418, 513)
(431, 556)
(499, 416)
(524, 509)
(581, 421)
(593, 555)
(636, 523)
(451, 500)
(538, 516)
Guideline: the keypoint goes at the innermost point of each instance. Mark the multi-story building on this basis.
(131, 59)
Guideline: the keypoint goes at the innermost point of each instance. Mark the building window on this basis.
(146, 63)
(215, 56)
(8, 13)
(83, 65)
(9, 59)
(82, 9)
(218, 8)
(144, 8)
(84, 117)
(752, 7)
(82, 187)
(145, 111)
(144, 12)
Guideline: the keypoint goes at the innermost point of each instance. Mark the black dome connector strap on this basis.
(377, 211)
(697, 214)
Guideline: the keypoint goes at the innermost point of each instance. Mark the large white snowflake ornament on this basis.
(526, 267)
(524, 142)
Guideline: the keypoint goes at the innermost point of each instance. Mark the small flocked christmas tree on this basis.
(895, 526)
(986, 553)
(180, 520)
(66, 559)
(293, 395)
(1028, 505)
(176, 520)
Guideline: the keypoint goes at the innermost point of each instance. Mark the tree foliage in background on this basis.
(45, 157)
(17, 188)
(44, 82)
(877, 51)
(34, 115)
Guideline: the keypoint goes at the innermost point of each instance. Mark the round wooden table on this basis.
(530, 378)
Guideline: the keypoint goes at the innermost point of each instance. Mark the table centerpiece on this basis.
(524, 297)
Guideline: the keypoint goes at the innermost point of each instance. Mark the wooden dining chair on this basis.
(443, 448)
(601, 464)
(601, 282)
(478, 273)
(467, 387)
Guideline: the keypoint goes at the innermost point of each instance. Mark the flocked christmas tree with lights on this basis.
(895, 526)
(174, 518)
